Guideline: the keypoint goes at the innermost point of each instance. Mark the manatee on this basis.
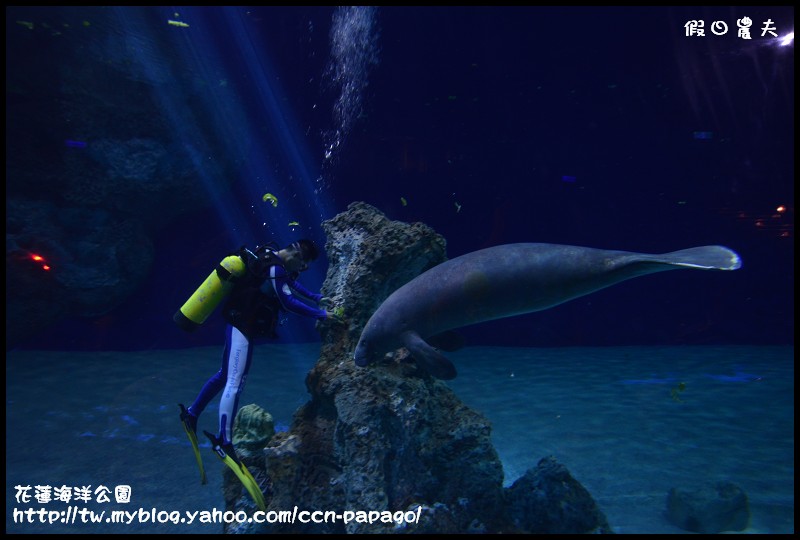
(503, 281)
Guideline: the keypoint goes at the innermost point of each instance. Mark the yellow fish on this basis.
(271, 198)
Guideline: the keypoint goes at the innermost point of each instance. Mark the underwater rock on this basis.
(389, 438)
(252, 430)
(711, 509)
(548, 500)
(370, 257)
(96, 261)
(95, 170)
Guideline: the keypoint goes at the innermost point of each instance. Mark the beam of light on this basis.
(241, 125)
(260, 134)
(183, 66)
(236, 124)
(209, 49)
(141, 41)
(306, 202)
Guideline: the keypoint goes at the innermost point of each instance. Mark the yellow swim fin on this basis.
(227, 454)
(189, 423)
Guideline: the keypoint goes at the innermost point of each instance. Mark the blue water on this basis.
(614, 416)
(601, 127)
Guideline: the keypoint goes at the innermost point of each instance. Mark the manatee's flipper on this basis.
(227, 454)
(429, 358)
(189, 423)
(704, 258)
(449, 341)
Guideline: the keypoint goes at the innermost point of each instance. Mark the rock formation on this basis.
(709, 509)
(388, 437)
(96, 166)
(548, 500)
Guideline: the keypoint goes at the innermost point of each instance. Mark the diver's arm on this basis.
(300, 288)
(283, 289)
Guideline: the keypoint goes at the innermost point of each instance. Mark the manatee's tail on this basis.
(704, 258)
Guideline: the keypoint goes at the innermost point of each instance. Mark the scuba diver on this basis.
(257, 287)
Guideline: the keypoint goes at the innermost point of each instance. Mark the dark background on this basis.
(601, 127)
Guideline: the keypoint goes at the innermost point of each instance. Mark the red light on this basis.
(41, 260)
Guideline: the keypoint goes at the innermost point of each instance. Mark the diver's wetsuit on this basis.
(239, 350)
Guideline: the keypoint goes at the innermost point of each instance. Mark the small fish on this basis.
(177, 23)
(271, 198)
(675, 392)
(403, 201)
(294, 224)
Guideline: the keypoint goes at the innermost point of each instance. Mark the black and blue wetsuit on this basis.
(252, 311)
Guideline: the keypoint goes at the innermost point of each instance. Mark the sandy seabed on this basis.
(618, 418)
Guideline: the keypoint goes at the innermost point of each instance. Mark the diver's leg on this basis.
(210, 389)
(239, 355)
(215, 383)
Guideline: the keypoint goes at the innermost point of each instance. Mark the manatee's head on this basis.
(373, 344)
(365, 353)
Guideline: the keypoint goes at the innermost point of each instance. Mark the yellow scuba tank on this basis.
(213, 290)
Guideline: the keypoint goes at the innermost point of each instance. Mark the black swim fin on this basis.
(189, 423)
(227, 454)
